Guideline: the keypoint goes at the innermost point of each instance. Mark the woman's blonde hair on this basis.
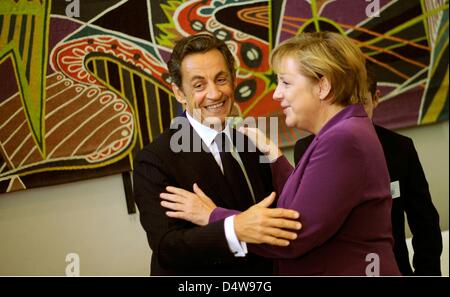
(331, 55)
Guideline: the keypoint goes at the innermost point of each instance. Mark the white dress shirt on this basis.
(238, 248)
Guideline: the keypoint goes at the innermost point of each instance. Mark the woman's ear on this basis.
(179, 95)
(324, 85)
(376, 98)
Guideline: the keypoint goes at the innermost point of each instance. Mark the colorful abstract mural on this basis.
(84, 85)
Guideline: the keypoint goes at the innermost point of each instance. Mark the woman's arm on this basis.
(330, 187)
(258, 224)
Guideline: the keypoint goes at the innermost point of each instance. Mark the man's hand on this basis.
(260, 224)
(194, 207)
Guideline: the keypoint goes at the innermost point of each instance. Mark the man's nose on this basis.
(214, 92)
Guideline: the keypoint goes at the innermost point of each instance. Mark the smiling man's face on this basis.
(207, 89)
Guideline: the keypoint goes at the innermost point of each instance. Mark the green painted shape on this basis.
(439, 55)
(33, 91)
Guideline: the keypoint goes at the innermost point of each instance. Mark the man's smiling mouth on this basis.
(216, 106)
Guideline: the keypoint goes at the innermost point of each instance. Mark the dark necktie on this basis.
(234, 175)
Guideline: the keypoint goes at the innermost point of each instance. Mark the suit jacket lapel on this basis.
(252, 167)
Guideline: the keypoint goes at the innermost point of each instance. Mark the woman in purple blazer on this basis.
(340, 186)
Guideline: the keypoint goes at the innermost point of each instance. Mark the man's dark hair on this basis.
(371, 79)
(199, 43)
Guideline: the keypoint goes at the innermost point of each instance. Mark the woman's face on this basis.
(298, 95)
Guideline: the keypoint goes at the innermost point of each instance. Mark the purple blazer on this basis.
(341, 189)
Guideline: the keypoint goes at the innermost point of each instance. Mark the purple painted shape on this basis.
(165, 55)
(298, 8)
(59, 29)
(399, 112)
(8, 79)
(295, 8)
(348, 12)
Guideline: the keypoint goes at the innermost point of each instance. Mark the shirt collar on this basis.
(206, 133)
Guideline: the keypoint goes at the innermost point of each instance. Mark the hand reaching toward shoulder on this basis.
(194, 207)
(260, 224)
(264, 144)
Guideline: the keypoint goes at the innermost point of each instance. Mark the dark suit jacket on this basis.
(180, 247)
(404, 166)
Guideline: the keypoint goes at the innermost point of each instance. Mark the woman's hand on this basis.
(260, 224)
(264, 144)
(194, 207)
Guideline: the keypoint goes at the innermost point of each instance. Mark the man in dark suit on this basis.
(203, 77)
(410, 194)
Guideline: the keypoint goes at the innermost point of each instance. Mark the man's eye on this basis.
(222, 80)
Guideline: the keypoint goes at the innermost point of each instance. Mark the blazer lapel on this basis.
(297, 174)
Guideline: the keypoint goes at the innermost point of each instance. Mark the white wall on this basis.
(38, 227)
(432, 146)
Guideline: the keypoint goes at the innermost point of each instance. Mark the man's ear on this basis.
(179, 95)
(324, 85)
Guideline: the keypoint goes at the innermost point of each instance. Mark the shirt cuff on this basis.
(220, 213)
(238, 248)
